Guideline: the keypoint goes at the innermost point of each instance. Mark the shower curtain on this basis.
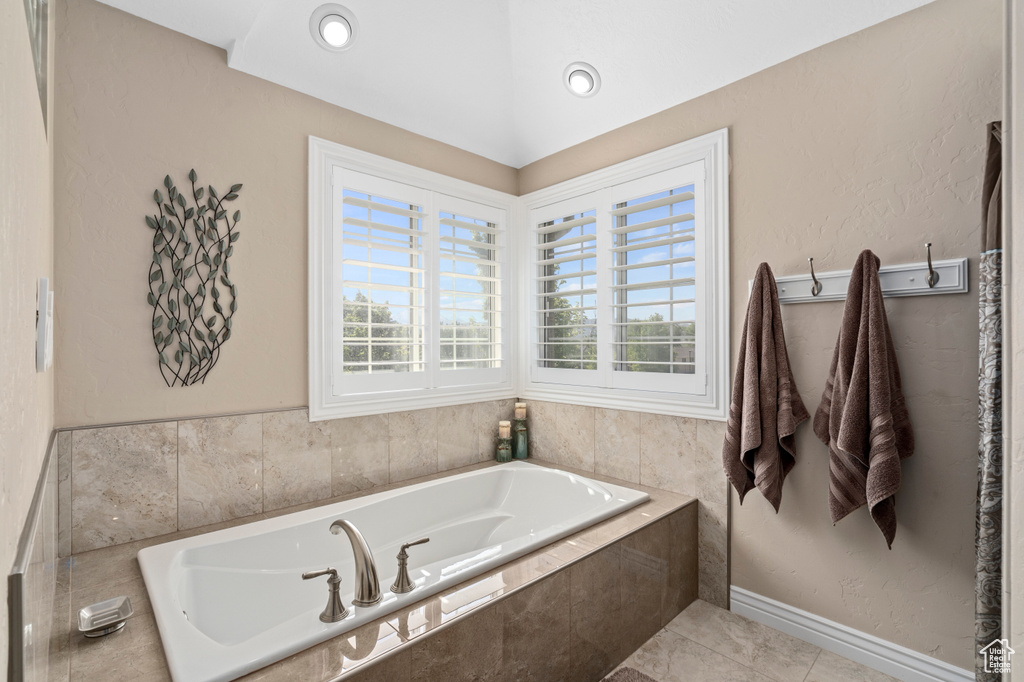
(988, 524)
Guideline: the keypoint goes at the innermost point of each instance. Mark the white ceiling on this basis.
(485, 75)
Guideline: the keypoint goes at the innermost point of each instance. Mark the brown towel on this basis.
(862, 417)
(766, 408)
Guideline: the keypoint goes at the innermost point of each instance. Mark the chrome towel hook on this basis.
(933, 277)
(816, 287)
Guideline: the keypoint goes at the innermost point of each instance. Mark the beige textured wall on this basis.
(137, 101)
(26, 254)
(875, 141)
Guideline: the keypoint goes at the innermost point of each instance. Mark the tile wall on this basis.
(119, 484)
(672, 453)
(42, 593)
(125, 483)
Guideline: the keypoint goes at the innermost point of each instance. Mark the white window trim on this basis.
(324, 156)
(712, 150)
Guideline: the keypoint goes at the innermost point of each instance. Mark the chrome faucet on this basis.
(367, 584)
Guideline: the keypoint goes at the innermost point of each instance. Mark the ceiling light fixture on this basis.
(335, 30)
(581, 79)
(333, 27)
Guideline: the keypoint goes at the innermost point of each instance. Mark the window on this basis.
(380, 316)
(629, 279)
(617, 282)
(567, 290)
(471, 289)
(408, 299)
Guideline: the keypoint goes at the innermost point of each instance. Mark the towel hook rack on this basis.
(816, 287)
(933, 277)
(907, 279)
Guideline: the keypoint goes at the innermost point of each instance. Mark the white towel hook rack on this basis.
(909, 279)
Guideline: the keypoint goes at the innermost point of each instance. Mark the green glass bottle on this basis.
(504, 453)
(520, 440)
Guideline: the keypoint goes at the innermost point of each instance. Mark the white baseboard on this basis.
(874, 652)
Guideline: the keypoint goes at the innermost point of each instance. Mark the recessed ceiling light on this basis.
(333, 27)
(581, 82)
(335, 30)
(581, 79)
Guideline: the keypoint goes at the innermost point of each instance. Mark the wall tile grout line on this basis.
(388, 418)
(263, 467)
(71, 495)
(177, 472)
(640, 452)
(177, 461)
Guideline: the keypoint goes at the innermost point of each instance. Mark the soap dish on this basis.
(104, 618)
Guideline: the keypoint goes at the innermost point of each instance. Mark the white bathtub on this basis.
(233, 601)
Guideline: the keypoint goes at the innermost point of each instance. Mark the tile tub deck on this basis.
(570, 610)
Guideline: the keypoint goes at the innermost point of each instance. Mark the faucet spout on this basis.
(367, 584)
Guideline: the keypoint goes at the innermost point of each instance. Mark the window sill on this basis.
(633, 401)
(401, 401)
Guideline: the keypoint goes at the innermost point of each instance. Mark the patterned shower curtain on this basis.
(988, 524)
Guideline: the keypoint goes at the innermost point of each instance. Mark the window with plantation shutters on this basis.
(610, 289)
(408, 287)
(566, 249)
(383, 289)
(629, 271)
(470, 286)
(654, 285)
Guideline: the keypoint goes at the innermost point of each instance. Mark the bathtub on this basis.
(233, 601)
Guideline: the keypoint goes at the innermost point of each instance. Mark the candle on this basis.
(520, 410)
(504, 429)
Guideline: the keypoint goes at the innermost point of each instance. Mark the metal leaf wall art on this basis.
(190, 285)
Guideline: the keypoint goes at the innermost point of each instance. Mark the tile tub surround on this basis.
(43, 587)
(678, 454)
(196, 472)
(475, 521)
(125, 483)
(645, 557)
(220, 469)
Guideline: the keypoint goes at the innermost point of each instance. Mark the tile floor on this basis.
(707, 644)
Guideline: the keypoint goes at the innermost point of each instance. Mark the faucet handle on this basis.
(309, 575)
(335, 609)
(411, 544)
(403, 583)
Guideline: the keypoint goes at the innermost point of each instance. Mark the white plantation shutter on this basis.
(416, 289)
(470, 289)
(618, 285)
(655, 287)
(565, 243)
(381, 292)
(610, 289)
(656, 230)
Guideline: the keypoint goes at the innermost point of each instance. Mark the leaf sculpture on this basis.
(190, 285)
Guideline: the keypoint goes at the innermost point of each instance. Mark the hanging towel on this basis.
(766, 408)
(863, 417)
